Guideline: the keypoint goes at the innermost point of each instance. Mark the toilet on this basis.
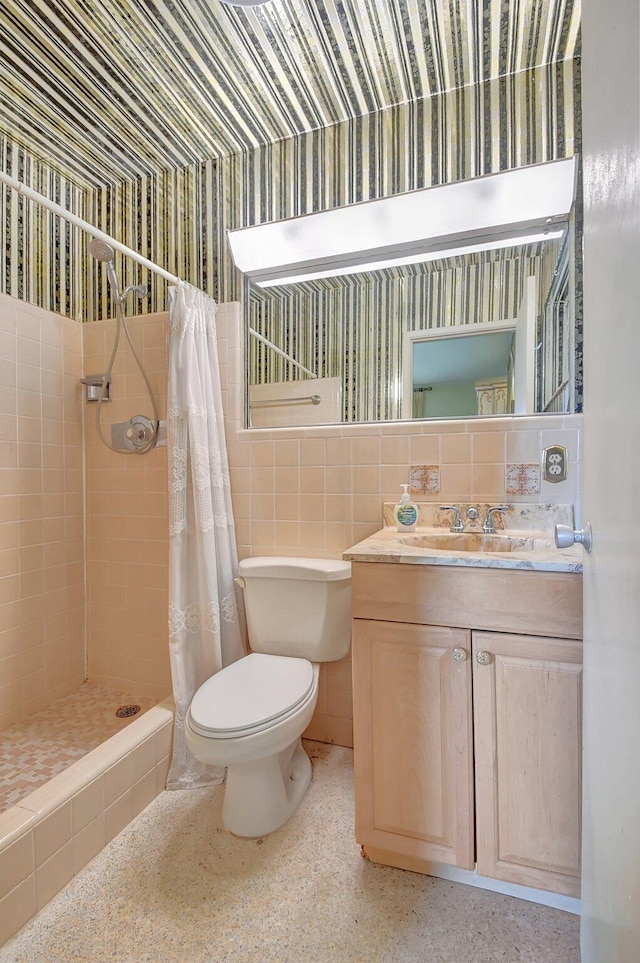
(250, 716)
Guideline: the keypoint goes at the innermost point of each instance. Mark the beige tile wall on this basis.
(41, 508)
(317, 491)
(127, 530)
(297, 491)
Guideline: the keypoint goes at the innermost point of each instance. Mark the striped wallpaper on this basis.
(170, 219)
(527, 118)
(179, 217)
(41, 257)
(112, 90)
(175, 122)
(555, 392)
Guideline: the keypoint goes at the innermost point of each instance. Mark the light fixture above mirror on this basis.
(525, 205)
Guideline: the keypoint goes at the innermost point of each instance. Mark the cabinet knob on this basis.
(460, 655)
(484, 658)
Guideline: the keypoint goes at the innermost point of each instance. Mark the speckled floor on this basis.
(174, 886)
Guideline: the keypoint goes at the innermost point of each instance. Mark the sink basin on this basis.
(470, 542)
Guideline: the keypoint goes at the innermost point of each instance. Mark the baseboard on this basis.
(471, 877)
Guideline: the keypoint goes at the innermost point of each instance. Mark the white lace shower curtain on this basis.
(205, 627)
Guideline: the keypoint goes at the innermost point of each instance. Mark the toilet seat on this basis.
(250, 695)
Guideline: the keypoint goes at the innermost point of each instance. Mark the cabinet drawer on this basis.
(501, 600)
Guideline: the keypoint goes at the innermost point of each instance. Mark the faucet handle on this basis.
(488, 527)
(457, 524)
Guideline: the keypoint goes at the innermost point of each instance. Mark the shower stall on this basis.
(83, 585)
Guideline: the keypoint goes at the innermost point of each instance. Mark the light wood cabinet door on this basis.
(527, 721)
(413, 741)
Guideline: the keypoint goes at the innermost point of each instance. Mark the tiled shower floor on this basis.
(47, 742)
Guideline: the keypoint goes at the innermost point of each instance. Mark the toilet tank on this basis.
(299, 607)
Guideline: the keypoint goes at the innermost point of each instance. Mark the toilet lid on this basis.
(249, 694)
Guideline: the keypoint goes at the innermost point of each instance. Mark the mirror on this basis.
(487, 332)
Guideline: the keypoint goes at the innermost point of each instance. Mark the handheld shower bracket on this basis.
(139, 289)
(93, 385)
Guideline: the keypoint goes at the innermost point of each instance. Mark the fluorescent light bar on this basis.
(550, 235)
(408, 228)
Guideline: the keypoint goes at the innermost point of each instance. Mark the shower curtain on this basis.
(206, 628)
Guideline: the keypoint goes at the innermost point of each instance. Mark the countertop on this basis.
(386, 546)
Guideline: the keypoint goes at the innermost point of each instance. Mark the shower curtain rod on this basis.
(43, 201)
(283, 354)
(32, 195)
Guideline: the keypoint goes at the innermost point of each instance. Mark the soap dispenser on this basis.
(405, 512)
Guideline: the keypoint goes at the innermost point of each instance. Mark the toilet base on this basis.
(261, 795)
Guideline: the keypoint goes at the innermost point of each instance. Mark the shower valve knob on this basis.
(137, 433)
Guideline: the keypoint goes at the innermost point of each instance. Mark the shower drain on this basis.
(124, 712)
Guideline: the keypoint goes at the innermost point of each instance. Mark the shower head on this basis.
(101, 251)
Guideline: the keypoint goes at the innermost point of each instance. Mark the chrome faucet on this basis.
(472, 516)
(488, 526)
(456, 525)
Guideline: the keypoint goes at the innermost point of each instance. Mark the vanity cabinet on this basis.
(467, 720)
(412, 730)
(527, 721)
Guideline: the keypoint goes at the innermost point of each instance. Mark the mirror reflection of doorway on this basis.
(458, 372)
(487, 368)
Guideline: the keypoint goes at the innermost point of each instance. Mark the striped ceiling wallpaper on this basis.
(105, 90)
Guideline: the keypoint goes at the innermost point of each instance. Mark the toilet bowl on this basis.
(250, 716)
(268, 770)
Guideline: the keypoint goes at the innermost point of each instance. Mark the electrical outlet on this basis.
(554, 463)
